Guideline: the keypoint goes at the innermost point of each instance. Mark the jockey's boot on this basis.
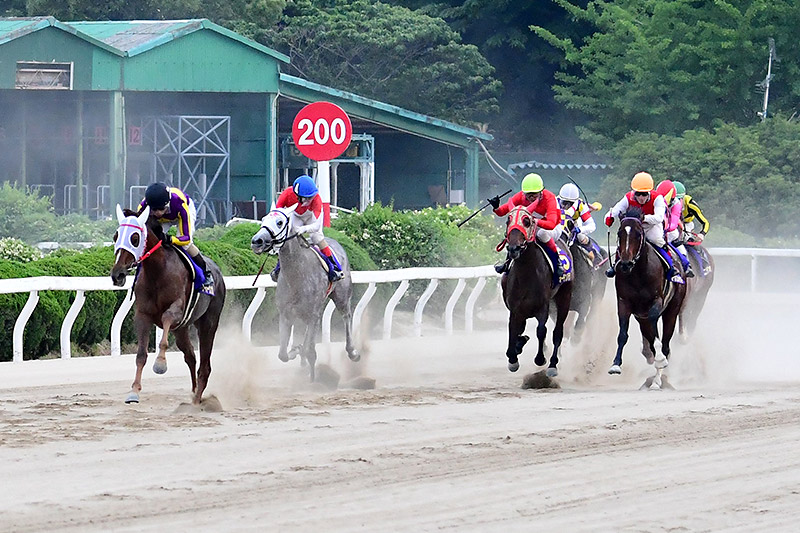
(672, 274)
(275, 271)
(201, 262)
(503, 267)
(334, 268)
(687, 266)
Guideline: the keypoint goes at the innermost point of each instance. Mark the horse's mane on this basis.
(152, 223)
(633, 212)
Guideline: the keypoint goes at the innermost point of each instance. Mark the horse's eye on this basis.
(280, 223)
(116, 236)
(526, 222)
(135, 239)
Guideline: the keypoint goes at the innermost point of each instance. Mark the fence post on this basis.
(420, 307)
(116, 324)
(470, 308)
(69, 320)
(390, 305)
(19, 325)
(451, 304)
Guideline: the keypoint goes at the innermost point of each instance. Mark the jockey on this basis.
(542, 204)
(691, 211)
(654, 208)
(173, 207)
(308, 218)
(673, 227)
(581, 214)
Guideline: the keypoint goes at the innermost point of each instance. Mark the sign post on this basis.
(322, 131)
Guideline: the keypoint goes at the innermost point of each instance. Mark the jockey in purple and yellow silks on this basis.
(173, 207)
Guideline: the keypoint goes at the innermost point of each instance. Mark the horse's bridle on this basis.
(139, 253)
(282, 235)
(641, 240)
(516, 221)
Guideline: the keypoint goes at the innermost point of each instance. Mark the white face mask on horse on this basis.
(275, 228)
(132, 233)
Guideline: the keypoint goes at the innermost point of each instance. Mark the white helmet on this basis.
(569, 192)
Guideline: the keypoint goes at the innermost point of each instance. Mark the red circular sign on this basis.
(322, 131)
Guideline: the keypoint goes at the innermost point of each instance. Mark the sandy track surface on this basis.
(447, 441)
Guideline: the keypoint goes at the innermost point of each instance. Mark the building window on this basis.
(35, 75)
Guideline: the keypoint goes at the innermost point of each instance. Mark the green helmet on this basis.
(679, 189)
(532, 183)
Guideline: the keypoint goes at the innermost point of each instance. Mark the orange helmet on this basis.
(666, 189)
(642, 182)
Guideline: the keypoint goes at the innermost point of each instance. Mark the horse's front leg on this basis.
(310, 347)
(624, 318)
(562, 300)
(541, 335)
(143, 326)
(172, 315)
(516, 340)
(285, 328)
(649, 333)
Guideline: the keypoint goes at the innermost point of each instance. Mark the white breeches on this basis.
(544, 235)
(655, 234)
(673, 235)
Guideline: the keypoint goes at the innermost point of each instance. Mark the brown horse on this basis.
(528, 289)
(644, 291)
(163, 288)
(696, 288)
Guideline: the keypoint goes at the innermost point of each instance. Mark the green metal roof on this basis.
(125, 38)
(15, 27)
(134, 37)
(387, 114)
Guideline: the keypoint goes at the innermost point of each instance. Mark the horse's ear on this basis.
(143, 217)
(290, 209)
(272, 207)
(120, 216)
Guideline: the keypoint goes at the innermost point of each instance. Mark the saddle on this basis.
(197, 278)
(675, 261)
(701, 255)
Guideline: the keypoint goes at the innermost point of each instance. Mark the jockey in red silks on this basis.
(654, 210)
(542, 204)
(308, 218)
(673, 226)
(171, 206)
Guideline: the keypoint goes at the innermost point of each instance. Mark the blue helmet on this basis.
(305, 187)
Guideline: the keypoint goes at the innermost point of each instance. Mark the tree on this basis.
(387, 53)
(668, 66)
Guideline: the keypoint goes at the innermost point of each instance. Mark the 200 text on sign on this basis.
(322, 131)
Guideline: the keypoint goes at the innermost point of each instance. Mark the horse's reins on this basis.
(275, 240)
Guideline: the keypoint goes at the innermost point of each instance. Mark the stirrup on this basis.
(274, 274)
(335, 275)
(674, 277)
(689, 272)
(610, 272)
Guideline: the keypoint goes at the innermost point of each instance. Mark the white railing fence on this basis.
(371, 278)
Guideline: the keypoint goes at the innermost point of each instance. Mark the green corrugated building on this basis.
(91, 112)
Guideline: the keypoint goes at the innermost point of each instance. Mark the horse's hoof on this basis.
(160, 366)
(293, 353)
(655, 386)
(354, 356)
(615, 370)
(539, 360)
(649, 359)
(133, 397)
(552, 372)
(662, 363)
(283, 357)
(513, 367)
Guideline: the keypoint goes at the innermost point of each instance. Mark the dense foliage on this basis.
(665, 67)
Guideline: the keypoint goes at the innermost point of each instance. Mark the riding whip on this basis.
(480, 209)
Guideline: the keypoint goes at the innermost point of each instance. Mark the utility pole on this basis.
(765, 84)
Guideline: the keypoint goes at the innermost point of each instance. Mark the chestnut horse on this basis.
(528, 289)
(644, 291)
(163, 288)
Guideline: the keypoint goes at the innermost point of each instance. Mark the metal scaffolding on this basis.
(193, 152)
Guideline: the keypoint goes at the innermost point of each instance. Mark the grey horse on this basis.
(303, 286)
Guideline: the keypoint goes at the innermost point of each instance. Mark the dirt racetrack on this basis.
(446, 441)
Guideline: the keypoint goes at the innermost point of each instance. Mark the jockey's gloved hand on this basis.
(700, 237)
(494, 201)
(609, 220)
